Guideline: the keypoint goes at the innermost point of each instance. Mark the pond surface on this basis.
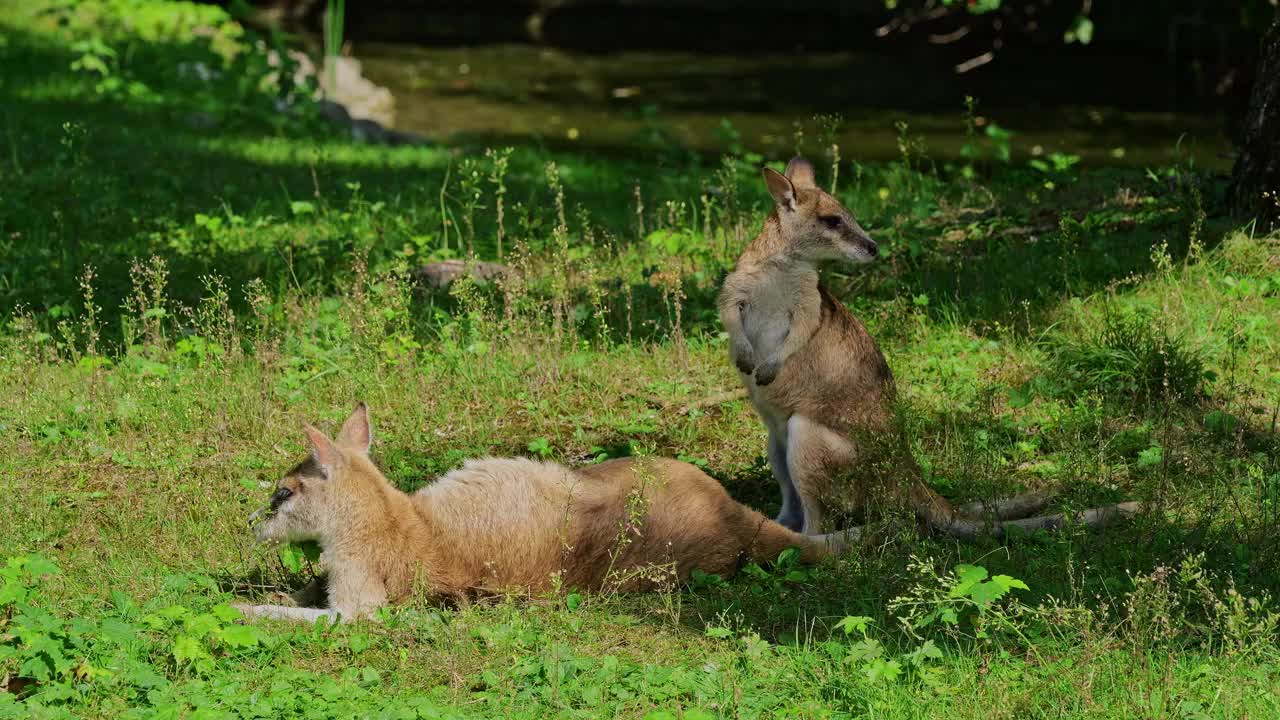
(629, 101)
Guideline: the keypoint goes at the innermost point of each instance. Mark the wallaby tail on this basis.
(1014, 507)
(1094, 517)
(966, 522)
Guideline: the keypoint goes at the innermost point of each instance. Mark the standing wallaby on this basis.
(819, 381)
(499, 525)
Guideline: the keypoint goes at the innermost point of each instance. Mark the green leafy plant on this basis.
(296, 557)
(540, 447)
(968, 601)
(1000, 142)
(334, 18)
(1055, 165)
(781, 578)
(874, 660)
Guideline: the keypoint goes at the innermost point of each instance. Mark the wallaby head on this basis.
(308, 500)
(814, 225)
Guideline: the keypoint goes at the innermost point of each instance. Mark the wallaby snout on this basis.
(282, 519)
(862, 248)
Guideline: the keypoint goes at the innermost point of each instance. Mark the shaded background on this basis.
(597, 73)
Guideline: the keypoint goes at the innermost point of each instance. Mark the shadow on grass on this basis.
(1092, 568)
(95, 181)
(138, 177)
(287, 588)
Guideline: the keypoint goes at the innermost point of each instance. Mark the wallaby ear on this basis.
(784, 194)
(800, 172)
(325, 453)
(356, 433)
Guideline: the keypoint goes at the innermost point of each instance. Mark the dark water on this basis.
(629, 101)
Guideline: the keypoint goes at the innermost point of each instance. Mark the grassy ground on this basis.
(1102, 332)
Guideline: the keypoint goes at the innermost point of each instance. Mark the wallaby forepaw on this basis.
(767, 373)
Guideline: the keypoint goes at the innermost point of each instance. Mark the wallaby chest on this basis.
(766, 320)
(779, 306)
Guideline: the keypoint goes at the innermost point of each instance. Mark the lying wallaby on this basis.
(507, 525)
(819, 381)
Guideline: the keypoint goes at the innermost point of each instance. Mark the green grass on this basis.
(1102, 332)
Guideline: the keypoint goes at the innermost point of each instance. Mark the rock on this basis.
(334, 113)
(347, 99)
(367, 131)
(440, 275)
(343, 83)
(395, 137)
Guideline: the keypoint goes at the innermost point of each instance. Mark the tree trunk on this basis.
(1255, 181)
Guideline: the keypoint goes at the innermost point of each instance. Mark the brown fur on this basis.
(819, 381)
(498, 525)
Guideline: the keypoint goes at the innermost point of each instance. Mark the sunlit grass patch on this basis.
(1097, 339)
(1130, 356)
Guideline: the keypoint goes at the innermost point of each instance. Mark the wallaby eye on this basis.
(280, 496)
(831, 221)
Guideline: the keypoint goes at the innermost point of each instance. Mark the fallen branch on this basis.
(665, 406)
(717, 399)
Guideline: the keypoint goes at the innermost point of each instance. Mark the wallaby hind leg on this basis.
(813, 451)
(792, 514)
